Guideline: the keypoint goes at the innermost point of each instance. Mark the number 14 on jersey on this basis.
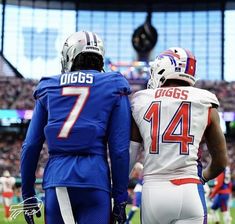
(180, 119)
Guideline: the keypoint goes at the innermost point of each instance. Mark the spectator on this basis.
(7, 182)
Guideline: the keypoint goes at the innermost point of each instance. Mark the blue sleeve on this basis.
(31, 149)
(41, 88)
(118, 143)
(123, 87)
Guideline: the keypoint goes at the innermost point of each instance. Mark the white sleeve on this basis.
(134, 150)
(210, 98)
(13, 180)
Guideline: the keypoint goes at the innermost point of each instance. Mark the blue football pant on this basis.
(220, 201)
(77, 205)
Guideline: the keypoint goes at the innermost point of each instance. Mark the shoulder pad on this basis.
(211, 98)
(140, 96)
(122, 84)
(43, 84)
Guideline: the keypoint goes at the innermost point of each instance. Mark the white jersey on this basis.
(7, 183)
(172, 121)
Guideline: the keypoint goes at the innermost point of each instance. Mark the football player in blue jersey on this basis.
(84, 116)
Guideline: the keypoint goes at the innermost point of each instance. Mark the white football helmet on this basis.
(174, 63)
(79, 42)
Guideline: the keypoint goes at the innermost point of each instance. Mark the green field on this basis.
(135, 220)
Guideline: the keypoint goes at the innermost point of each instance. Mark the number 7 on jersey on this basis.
(82, 94)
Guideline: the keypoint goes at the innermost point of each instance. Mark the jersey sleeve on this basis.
(31, 149)
(42, 87)
(122, 85)
(13, 180)
(118, 141)
(136, 105)
(210, 98)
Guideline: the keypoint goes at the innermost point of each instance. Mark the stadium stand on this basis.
(10, 146)
(16, 93)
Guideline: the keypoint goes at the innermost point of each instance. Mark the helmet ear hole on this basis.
(162, 79)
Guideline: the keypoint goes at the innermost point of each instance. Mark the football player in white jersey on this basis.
(170, 118)
(7, 183)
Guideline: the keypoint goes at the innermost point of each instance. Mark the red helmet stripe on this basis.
(170, 52)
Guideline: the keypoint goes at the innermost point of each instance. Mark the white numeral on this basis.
(82, 94)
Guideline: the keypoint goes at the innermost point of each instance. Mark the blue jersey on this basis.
(79, 114)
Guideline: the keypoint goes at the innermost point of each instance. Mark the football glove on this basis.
(32, 207)
(119, 213)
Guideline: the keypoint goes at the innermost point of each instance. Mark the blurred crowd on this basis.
(10, 147)
(16, 93)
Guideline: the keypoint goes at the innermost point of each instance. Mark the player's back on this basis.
(77, 109)
(172, 121)
(79, 105)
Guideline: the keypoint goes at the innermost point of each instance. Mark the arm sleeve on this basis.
(210, 99)
(31, 149)
(134, 151)
(118, 143)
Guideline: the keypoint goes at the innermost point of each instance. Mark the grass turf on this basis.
(20, 218)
